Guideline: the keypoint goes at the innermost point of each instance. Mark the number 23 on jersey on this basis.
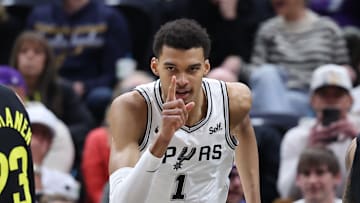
(11, 164)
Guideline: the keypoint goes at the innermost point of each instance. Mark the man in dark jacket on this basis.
(88, 38)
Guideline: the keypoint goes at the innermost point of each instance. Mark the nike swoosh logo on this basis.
(152, 171)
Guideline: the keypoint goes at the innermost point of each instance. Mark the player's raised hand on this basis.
(175, 113)
(171, 96)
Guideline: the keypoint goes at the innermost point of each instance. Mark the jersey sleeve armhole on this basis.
(144, 141)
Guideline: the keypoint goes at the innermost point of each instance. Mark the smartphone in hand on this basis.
(330, 115)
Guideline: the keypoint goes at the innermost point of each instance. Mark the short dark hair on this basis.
(315, 157)
(182, 34)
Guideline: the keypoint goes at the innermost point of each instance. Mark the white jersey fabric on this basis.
(199, 158)
(336, 200)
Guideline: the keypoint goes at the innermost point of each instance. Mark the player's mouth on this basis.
(182, 94)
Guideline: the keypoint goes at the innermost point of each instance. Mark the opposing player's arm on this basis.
(246, 153)
(127, 124)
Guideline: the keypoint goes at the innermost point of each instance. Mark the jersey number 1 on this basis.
(178, 195)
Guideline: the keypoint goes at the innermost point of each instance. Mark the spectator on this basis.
(352, 37)
(236, 193)
(235, 64)
(318, 174)
(352, 192)
(88, 37)
(33, 58)
(330, 89)
(353, 42)
(61, 153)
(232, 25)
(96, 161)
(131, 81)
(343, 12)
(268, 141)
(222, 74)
(48, 182)
(296, 41)
(10, 27)
(14, 80)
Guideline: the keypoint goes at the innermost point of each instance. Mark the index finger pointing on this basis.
(172, 90)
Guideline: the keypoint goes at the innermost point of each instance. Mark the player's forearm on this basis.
(124, 183)
(247, 153)
(159, 147)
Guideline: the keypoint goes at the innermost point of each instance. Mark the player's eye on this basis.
(194, 68)
(170, 68)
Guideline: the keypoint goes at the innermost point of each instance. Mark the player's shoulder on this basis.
(240, 100)
(239, 93)
(132, 100)
(5, 91)
(9, 97)
(238, 86)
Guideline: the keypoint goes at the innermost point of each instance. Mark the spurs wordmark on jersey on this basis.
(199, 158)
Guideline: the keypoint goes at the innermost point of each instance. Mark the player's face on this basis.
(189, 67)
(317, 184)
(31, 59)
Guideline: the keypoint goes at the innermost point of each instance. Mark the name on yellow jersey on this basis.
(17, 122)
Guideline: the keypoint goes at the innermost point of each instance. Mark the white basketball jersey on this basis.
(199, 158)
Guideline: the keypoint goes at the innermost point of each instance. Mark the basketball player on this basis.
(352, 191)
(16, 166)
(175, 139)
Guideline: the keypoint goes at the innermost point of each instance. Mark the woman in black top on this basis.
(33, 57)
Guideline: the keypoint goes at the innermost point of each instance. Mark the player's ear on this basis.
(207, 67)
(154, 66)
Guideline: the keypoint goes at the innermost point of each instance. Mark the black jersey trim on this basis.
(189, 129)
(157, 91)
(143, 143)
(202, 122)
(231, 141)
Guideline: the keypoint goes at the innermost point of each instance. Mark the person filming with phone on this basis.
(333, 127)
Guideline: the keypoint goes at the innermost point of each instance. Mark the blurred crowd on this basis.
(68, 59)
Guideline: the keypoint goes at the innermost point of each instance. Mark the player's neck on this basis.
(199, 111)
